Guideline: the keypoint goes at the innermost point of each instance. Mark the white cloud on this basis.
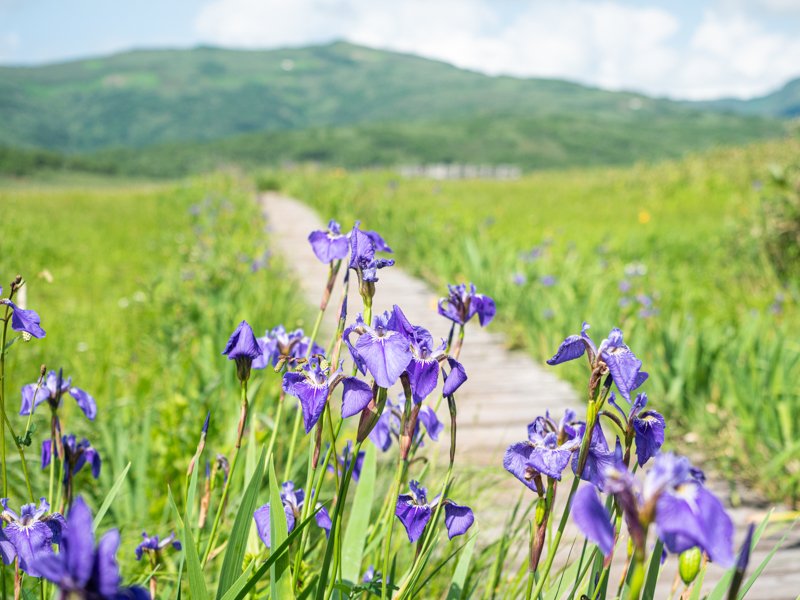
(606, 43)
(9, 42)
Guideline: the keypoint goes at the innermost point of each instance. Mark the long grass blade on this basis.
(355, 535)
(237, 542)
(112, 493)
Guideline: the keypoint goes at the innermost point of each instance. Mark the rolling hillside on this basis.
(171, 112)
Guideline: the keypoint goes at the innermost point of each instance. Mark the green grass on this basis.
(722, 365)
(138, 295)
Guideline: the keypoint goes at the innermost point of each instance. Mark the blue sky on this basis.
(683, 49)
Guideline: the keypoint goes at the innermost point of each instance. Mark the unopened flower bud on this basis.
(689, 564)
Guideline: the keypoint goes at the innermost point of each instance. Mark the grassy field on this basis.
(138, 287)
(666, 252)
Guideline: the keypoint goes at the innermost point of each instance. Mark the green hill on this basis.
(141, 98)
(527, 142)
(783, 103)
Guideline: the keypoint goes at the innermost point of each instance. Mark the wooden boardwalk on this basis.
(504, 392)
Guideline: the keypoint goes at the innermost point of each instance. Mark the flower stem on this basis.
(322, 585)
(292, 442)
(3, 401)
(226, 487)
(387, 543)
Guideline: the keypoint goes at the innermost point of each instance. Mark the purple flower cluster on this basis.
(672, 498)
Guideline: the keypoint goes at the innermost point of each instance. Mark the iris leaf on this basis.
(237, 542)
(355, 535)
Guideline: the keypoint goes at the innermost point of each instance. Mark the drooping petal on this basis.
(571, 348)
(356, 394)
(550, 461)
(327, 246)
(649, 435)
(433, 425)
(693, 516)
(414, 518)
(485, 307)
(312, 397)
(31, 397)
(386, 356)
(92, 456)
(85, 402)
(592, 518)
(30, 541)
(323, 520)
(516, 460)
(25, 320)
(423, 376)
(455, 378)
(261, 517)
(457, 518)
(47, 452)
(7, 551)
(51, 567)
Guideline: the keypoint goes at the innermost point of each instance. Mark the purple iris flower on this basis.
(30, 534)
(648, 427)
(619, 361)
(80, 568)
(673, 497)
(388, 425)
(329, 245)
(52, 391)
(313, 385)
(414, 512)
(278, 343)
(292, 500)
(26, 321)
(347, 456)
(76, 455)
(383, 349)
(547, 451)
(363, 246)
(464, 303)
(152, 545)
(393, 346)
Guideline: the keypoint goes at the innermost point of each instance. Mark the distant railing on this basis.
(459, 171)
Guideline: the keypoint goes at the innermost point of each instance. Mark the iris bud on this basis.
(689, 564)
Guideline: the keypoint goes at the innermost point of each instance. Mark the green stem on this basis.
(226, 487)
(21, 453)
(3, 401)
(276, 422)
(557, 539)
(322, 584)
(387, 542)
(295, 429)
